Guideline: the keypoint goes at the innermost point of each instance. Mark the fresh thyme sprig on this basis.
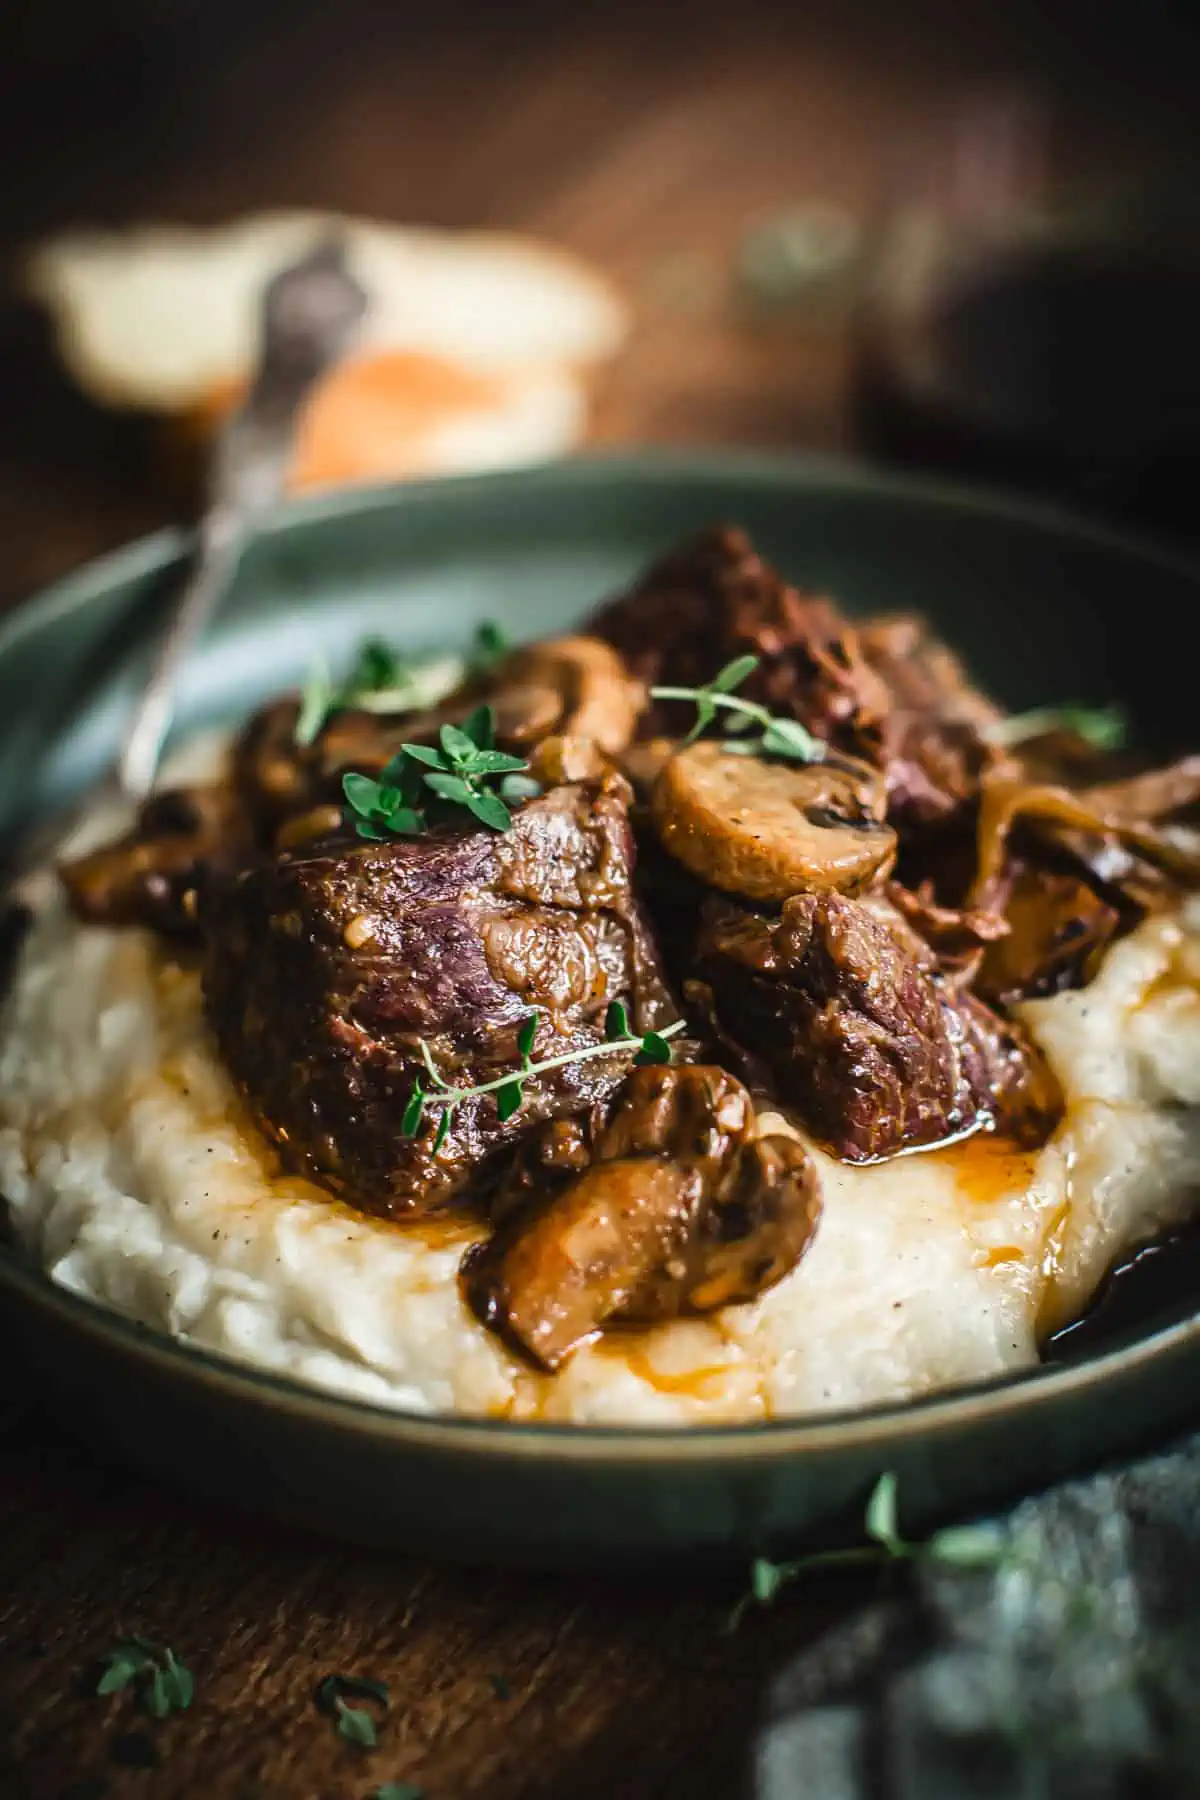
(779, 737)
(382, 681)
(377, 670)
(163, 1682)
(490, 647)
(424, 786)
(354, 1723)
(649, 1047)
(1103, 727)
(979, 1546)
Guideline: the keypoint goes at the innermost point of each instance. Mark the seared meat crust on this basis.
(716, 598)
(839, 1008)
(325, 969)
(887, 691)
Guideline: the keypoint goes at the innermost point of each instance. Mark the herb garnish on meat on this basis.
(382, 681)
(650, 1047)
(491, 645)
(423, 786)
(778, 737)
(1103, 727)
(377, 670)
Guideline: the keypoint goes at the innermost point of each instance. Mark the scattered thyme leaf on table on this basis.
(354, 1723)
(977, 1546)
(163, 1683)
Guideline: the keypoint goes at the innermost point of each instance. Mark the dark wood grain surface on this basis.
(650, 139)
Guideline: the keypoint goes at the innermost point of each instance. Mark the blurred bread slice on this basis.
(475, 351)
(400, 413)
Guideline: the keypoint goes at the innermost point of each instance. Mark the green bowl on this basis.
(1043, 607)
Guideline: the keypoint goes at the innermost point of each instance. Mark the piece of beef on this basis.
(935, 744)
(574, 686)
(678, 1210)
(715, 599)
(839, 1008)
(280, 793)
(887, 690)
(950, 931)
(326, 968)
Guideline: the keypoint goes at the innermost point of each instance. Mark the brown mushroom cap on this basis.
(680, 1210)
(598, 698)
(761, 1219)
(767, 830)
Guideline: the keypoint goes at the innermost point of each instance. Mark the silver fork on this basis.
(310, 315)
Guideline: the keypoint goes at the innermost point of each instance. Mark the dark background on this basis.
(632, 132)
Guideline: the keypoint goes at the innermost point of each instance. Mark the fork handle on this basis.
(222, 537)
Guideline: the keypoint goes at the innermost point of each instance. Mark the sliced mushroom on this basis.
(276, 775)
(1155, 794)
(366, 741)
(145, 877)
(1007, 796)
(678, 1211)
(644, 762)
(1057, 927)
(597, 697)
(552, 1284)
(566, 759)
(758, 1225)
(767, 830)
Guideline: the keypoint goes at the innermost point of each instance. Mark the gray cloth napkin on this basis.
(1068, 1671)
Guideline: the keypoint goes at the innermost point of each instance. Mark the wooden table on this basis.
(649, 139)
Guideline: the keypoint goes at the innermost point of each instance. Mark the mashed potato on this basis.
(134, 1178)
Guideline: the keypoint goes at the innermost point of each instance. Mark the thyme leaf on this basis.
(426, 785)
(1103, 727)
(379, 681)
(779, 737)
(616, 1020)
(880, 1523)
(491, 645)
(165, 1685)
(509, 1089)
(317, 700)
(355, 1723)
(977, 1546)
